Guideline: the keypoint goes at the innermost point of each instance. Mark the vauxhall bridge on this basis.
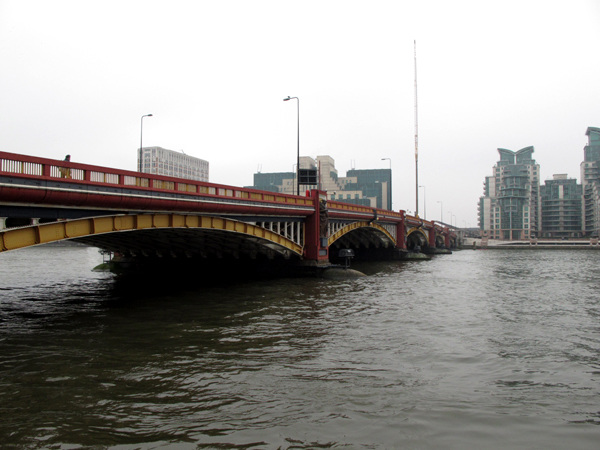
(141, 216)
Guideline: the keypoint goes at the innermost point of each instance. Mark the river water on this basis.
(478, 349)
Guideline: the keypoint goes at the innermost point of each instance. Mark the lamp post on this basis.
(295, 171)
(141, 135)
(451, 216)
(441, 211)
(390, 184)
(298, 153)
(424, 203)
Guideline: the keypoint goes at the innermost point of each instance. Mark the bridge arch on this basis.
(440, 241)
(363, 234)
(158, 235)
(416, 237)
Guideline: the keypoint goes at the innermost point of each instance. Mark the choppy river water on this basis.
(478, 349)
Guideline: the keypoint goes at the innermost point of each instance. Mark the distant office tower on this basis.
(590, 179)
(160, 161)
(366, 187)
(510, 208)
(561, 207)
(375, 183)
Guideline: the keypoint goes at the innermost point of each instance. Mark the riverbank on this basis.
(532, 244)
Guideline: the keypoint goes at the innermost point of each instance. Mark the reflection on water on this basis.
(477, 349)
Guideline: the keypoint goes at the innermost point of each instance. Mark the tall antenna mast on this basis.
(416, 138)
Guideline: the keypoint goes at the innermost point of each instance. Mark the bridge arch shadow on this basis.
(160, 235)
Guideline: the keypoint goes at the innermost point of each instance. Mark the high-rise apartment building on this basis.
(367, 187)
(562, 201)
(510, 207)
(590, 179)
(160, 161)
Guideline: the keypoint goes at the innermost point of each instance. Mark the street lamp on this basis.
(424, 203)
(298, 155)
(390, 184)
(441, 211)
(141, 135)
(451, 216)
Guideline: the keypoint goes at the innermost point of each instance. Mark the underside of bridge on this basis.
(215, 255)
(186, 243)
(175, 242)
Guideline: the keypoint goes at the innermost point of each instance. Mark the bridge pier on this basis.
(432, 235)
(316, 249)
(401, 233)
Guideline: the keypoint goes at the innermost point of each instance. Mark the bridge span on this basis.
(143, 216)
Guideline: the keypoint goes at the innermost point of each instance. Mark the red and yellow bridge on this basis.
(140, 215)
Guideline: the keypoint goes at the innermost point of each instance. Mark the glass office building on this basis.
(366, 187)
(373, 183)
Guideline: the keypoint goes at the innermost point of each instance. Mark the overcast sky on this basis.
(76, 77)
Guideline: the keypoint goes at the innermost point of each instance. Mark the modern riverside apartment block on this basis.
(590, 179)
(562, 200)
(160, 161)
(510, 208)
(514, 205)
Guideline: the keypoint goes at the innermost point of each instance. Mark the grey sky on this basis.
(77, 76)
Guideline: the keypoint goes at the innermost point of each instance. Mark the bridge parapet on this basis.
(24, 166)
(72, 184)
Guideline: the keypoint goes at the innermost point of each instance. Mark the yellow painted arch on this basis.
(15, 238)
(355, 225)
(417, 230)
